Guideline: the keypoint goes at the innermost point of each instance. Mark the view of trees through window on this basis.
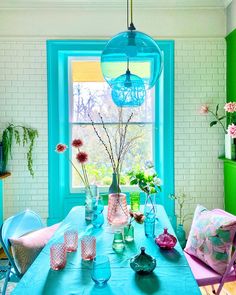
(92, 98)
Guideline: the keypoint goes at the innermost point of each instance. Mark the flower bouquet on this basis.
(230, 131)
(82, 158)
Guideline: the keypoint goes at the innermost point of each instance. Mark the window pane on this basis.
(98, 165)
(91, 98)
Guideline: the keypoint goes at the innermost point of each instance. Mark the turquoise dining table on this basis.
(172, 275)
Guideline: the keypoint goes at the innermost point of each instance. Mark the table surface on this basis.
(171, 276)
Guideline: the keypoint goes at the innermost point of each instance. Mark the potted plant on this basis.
(181, 217)
(22, 136)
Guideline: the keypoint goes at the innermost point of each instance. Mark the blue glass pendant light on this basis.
(133, 47)
(128, 90)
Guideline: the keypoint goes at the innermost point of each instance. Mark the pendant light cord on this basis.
(131, 11)
(127, 15)
(130, 26)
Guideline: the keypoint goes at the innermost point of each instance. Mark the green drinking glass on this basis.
(135, 201)
(118, 243)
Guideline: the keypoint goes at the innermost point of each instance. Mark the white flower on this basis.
(157, 181)
(148, 164)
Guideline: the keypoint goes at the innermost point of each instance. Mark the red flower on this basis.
(77, 143)
(61, 148)
(82, 157)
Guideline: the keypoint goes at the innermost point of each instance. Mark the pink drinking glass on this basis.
(88, 247)
(71, 240)
(58, 256)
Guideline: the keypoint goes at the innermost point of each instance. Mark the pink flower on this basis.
(82, 157)
(61, 148)
(232, 130)
(230, 107)
(204, 109)
(77, 143)
(139, 217)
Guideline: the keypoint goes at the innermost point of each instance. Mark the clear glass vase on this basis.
(150, 215)
(117, 213)
(90, 199)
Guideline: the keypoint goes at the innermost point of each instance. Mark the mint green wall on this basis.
(231, 66)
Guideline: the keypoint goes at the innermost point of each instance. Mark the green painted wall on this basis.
(231, 66)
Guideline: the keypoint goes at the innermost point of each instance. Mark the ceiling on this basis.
(151, 4)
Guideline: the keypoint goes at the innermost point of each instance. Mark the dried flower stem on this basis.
(104, 144)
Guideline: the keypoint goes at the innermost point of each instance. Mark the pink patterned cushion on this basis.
(27, 247)
(211, 238)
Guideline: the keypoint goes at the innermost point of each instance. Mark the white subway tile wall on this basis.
(199, 78)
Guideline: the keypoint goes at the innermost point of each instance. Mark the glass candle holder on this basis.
(71, 240)
(101, 270)
(58, 256)
(88, 247)
(135, 201)
(118, 243)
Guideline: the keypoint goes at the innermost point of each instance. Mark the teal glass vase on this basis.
(181, 235)
(143, 264)
(114, 187)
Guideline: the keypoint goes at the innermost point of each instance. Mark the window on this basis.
(155, 117)
(90, 96)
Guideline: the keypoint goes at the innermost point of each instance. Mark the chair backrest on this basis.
(16, 226)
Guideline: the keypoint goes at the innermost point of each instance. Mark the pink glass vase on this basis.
(58, 256)
(117, 213)
(166, 240)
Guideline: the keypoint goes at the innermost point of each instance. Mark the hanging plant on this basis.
(22, 135)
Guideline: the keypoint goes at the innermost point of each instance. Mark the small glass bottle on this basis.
(129, 233)
(118, 243)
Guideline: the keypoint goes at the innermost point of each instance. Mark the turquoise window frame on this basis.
(60, 199)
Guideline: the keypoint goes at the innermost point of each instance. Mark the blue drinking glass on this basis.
(98, 219)
(98, 207)
(101, 270)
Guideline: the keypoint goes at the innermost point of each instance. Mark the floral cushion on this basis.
(27, 247)
(211, 238)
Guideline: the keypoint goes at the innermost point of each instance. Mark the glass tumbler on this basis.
(101, 270)
(118, 243)
(135, 201)
(88, 247)
(71, 240)
(58, 256)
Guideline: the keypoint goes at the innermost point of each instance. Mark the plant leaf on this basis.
(213, 123)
